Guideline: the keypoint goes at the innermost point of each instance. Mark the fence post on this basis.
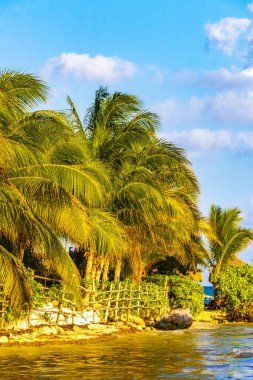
(108, 304)
(3, 309)
(60, 307)
(29, 315)
(147, 293)
(73, 313)
(94, 300)
(129, 302)
(123, 302)
(139, 300)
(117, 302)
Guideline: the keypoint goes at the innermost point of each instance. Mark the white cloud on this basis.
(159, 75)
(83, 66)
(225, 33)
(250, 7)
(221, 79)
(226, 107)
(198, 141)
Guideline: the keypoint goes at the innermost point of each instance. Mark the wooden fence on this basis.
(115, 303)
(3, 305)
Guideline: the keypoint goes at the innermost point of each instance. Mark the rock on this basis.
(89, 317)
(135, 327)
(59, 329)
(55, 303)
(176, 319)
(77, 328)
(13, 337)
(137, 320)
(4, 339)
(118, 324)
(47, 330)
(53, 330)
(96, 326)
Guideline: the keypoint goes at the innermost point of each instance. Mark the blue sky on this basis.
(191, 62)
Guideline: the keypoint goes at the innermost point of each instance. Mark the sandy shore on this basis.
(73, 334)
(55, 335)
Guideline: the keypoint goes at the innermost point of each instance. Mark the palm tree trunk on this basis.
(94, 268)
(216, 294)
(99, 268)
(105, 269)
(136, 263)
(117, 271)
(89, 265)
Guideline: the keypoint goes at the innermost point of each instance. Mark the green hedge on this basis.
(236, 289)
(183, 292)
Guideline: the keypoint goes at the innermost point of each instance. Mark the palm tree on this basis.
(40, 200)
(228, 241)
(153, 186)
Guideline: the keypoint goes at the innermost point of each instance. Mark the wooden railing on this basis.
(116, 303)
(3, 305)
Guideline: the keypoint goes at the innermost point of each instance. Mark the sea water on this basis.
(210, 352)
(208, 291)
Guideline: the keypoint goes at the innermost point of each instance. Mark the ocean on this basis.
(208, 291)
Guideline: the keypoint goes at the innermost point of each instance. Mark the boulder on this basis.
(4, 339)
(77, 328)
(13, 337)
(59, 329)
(47, 330)
(137, 320)
(97, 326)
(176, 319)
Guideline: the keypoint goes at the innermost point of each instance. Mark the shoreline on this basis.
(47, 335)
(55, 335)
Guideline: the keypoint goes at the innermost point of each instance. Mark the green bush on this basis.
(236, 289)
(37, 294)
(185, 293)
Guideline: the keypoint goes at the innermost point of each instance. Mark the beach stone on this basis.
(77, 328)
(118, 324)
(59, 329)
(47, 330)
(96, 326)
(12, 337)
(176, 319)
(137, 320)
(55, 303)
(4, 339)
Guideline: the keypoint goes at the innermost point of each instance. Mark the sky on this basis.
(191, 62)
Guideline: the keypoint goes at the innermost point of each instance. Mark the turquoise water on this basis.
(208, 291)
(221, 352)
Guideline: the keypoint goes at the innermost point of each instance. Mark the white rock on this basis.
(4, 339)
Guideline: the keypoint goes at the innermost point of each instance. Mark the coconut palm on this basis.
(153, 187)
(40, 200)
(229, 240)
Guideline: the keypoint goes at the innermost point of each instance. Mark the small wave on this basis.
(243, 352)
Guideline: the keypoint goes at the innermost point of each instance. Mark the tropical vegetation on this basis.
(236, 290)
(229, 239)
(107, 185)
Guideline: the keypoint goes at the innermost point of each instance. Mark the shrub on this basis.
(37, 294)
(183, 292)
(236, 289)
